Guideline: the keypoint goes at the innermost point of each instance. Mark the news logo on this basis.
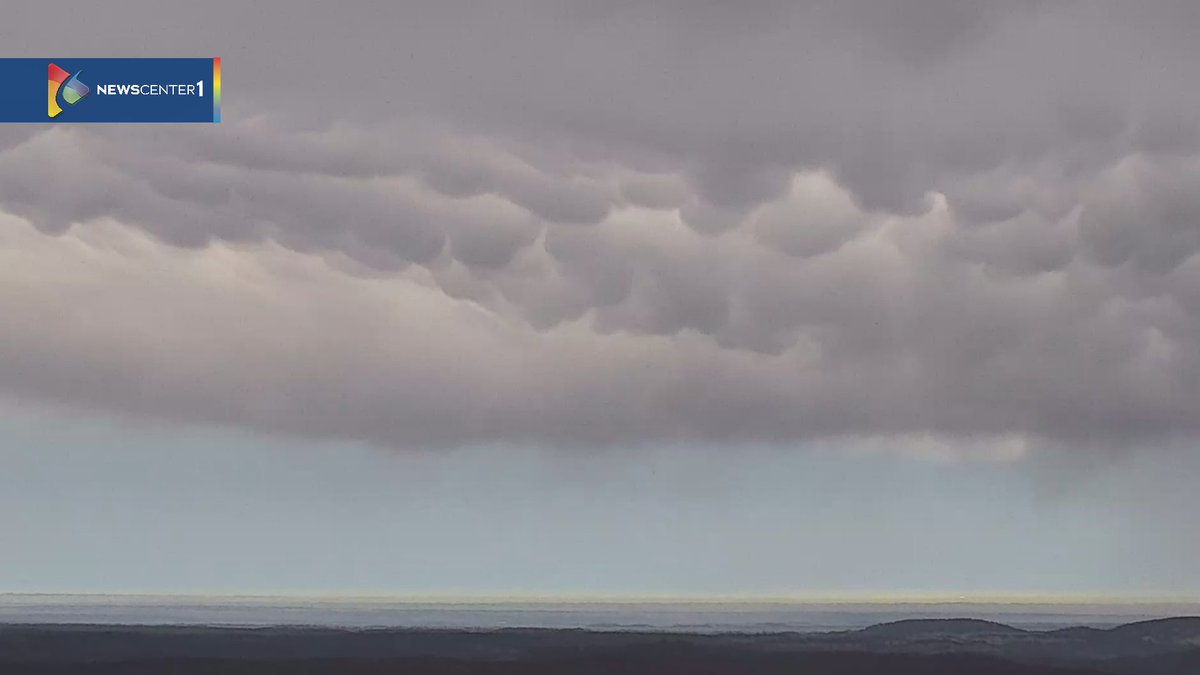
(61, 82)
(143, 90)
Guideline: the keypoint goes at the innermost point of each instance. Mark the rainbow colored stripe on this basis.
(216, 89)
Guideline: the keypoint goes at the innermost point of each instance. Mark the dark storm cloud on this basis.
(571, 222)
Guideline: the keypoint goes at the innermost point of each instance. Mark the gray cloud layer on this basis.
(570, 223)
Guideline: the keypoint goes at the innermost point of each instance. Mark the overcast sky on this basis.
(621, 297)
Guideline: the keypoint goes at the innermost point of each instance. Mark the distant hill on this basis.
(1178, 629)
(909, 647)
(919, 628)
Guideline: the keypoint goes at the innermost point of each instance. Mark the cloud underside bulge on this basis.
(689, 224)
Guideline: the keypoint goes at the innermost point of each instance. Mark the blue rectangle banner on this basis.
(110, 90)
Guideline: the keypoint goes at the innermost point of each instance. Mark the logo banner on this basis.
(110, 90)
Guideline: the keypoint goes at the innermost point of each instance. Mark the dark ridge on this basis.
(625, 661)
(1175, 628)
(908, 628)
(1077, 632)
(1160, 647)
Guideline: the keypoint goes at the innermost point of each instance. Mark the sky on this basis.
(570, 298)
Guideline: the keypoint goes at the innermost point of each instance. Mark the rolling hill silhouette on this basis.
(908, 647)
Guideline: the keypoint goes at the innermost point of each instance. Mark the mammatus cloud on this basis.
(660, 222)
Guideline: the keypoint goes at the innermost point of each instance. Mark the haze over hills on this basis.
(698, 615)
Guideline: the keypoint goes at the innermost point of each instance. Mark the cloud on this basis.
(646, 222)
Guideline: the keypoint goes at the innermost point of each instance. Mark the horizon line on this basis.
(864, 598)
